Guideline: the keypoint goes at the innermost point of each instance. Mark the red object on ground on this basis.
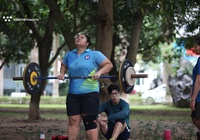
(167, 134)
(59, 137)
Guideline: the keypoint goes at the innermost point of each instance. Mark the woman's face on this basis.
(197, 49)
(81, 40)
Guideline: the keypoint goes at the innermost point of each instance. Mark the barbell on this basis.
(32, 77)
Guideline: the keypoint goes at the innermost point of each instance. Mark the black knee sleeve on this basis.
(89, 122)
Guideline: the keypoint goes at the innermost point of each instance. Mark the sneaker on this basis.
(198, 135)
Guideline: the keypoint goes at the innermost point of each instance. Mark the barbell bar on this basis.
(83, 77)
(32, 77)
(66, 77)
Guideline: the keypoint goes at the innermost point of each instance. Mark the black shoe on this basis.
(198, 135)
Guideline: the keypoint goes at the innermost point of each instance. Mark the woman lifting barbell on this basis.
(83, 96)
(82, 64)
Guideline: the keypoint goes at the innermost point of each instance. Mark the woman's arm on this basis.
(105, 67)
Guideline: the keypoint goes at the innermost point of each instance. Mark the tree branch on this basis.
(5, 60)
(31, 25)
(156, 41)
(66, 31)
(57, 53)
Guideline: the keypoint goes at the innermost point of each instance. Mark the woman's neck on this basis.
(80, 50)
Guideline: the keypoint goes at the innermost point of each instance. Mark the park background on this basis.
(153, 35)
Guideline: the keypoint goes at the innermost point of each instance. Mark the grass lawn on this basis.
(147, 122)
(150, 112)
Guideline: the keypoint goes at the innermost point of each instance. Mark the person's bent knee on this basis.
(89, 122)
(122, 121)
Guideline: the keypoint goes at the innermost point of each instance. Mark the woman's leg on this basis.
(90, 124)
(93, 134)
(74, 127)
(89, 108)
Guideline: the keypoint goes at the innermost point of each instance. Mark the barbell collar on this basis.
(139, 75)
(17, 78)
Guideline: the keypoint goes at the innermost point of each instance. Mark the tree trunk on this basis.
(44, 54)
(104, 37)
(55, 92)
(166, 72)
(1, 80)
(104, 27)
(34, 113)
(135, 36)
(35, 99)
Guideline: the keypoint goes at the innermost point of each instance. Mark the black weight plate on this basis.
(122, 78)
(32, 87)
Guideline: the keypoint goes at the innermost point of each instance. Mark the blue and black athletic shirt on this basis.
(85, 64)
(196, 71)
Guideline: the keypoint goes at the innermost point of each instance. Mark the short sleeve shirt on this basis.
(83, 65)
(196, 71)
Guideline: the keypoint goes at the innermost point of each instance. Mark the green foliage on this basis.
(79, 15)
(172, 55)
(46, 100)
(160, 19)
(160, 22)
(63, 89)
(18, 42)
(18, 37)
(15, 44)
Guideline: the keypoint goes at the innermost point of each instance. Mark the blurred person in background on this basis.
(195, 94)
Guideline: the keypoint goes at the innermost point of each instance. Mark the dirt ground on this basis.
(16, 128)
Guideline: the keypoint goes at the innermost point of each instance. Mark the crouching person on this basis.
(114, 124)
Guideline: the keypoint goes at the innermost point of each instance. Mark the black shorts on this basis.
(122, 136)
(196, 114)
(78, 104)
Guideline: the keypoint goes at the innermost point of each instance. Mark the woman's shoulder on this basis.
(93, 51)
